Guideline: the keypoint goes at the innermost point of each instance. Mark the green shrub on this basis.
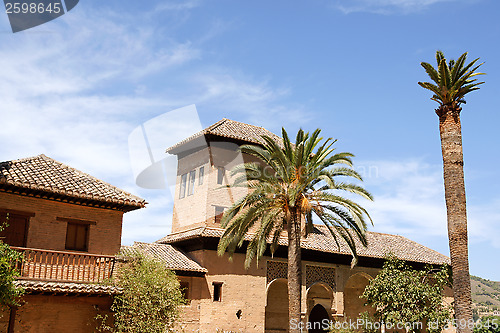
(149, 301)
(9, 293)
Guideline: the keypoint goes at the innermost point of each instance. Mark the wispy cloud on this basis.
(177, 5)
(409, 200)
(385, 6)
(76, 92)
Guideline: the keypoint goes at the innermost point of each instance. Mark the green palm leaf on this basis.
(452, 80)
(294, 183)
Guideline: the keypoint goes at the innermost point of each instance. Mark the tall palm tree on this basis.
(452, 81)
(293, 183)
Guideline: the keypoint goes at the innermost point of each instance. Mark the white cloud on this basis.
(177, 5)
(409, 200)
(385, 6)
(75, 93)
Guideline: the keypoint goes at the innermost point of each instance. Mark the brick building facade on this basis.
(69, 223)
(68, 226)
(226, 297)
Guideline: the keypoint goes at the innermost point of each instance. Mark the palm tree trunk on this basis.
(294, 274)
(454, 187)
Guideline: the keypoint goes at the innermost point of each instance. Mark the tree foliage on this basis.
(294, 182)
(9, 292)
(452, 80)
(401, 294)
(150, 297)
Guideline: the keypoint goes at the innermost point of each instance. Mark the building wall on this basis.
(49, 314)
(199, 209)
(46, 232)
(191, 209)
(243, 293)
(246, 292)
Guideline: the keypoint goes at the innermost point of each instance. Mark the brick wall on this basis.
(246, 290)
(194, 210)
(49, 314)
(46, 232)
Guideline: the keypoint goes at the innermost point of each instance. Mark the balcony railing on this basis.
(62, 266)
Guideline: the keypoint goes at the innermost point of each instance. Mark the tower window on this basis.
(201, 174)
(219, 211)
(182, 190)
(192, 176)
(217, 291)
(221, 173)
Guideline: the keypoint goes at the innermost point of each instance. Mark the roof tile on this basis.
(45, 174)
(231, 129)
(379, 244)
(66, 287)
(173, 258)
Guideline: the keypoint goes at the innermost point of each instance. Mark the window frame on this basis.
(221, 174)
(79, 224)
(191, 182)
(201, 175)
(218, 217)
(217, 287)
(183, 186)
(5, 213)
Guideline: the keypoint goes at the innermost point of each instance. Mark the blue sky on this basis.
(76, 87)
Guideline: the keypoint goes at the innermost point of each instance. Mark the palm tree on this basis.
(294, 182)
(452, 81)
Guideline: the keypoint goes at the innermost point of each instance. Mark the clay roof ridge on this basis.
(91, 177)
(161, 240)
(427, 248)
(380, 244)
(173, 257)
(233, 130)
(106, 190)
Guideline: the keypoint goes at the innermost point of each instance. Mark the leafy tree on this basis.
(9, 292)
(149, 300)
(293, 182)
(401, 294)
(452, 81)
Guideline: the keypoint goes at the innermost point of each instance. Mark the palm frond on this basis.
(301, 181)
(453, 80)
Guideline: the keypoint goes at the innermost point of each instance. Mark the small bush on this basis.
(149, 300)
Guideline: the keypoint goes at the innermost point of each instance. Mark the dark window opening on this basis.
(192, 178)
(219, 211)
(184, 286)
(182, 190)
(77, 236)
(201, 174)
(217, 291)
(14, 227)
(221, 173)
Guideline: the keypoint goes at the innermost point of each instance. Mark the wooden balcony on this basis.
(62, 266)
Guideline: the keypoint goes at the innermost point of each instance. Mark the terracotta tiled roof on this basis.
(66, 288)
(173, 258)
(42, 173)
(379, 244)
(231, 129)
